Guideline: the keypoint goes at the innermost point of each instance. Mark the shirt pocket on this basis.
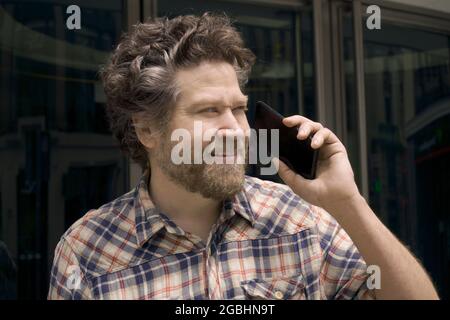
(283, 288)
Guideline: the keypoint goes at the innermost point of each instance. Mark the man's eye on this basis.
(209, 110)
(241, 108)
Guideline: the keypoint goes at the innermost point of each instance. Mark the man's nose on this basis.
(229, 121)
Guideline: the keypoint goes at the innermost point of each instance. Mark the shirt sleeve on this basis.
(67, 281)
(343, 272)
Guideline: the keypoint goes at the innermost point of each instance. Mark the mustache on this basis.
(229, 145)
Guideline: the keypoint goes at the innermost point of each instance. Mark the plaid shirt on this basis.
(266, 244)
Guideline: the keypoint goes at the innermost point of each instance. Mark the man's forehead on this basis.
(209, 83)
(223, 97)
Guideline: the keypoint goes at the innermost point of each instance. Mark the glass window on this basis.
(350, 119)
(407, 85)
(58, 157)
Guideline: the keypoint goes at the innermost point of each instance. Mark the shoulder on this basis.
(103, 238)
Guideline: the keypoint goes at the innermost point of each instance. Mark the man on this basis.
(208, 231)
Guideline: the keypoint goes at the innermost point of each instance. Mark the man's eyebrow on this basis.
(217, 101)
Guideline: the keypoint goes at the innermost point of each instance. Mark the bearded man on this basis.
(208, 230)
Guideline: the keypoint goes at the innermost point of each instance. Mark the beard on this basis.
(215, 181)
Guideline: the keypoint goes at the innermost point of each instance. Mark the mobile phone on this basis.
(297, 154)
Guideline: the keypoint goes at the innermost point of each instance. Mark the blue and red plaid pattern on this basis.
(268, 243)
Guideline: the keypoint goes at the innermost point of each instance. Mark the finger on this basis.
(288, 176)
(284, 171)
(308, 128)
(320, 137)
(295, 120)
(304, 130)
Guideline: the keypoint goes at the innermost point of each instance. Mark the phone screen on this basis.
(297, 154)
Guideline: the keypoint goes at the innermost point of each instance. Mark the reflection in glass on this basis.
(58, 157)
(407, 82)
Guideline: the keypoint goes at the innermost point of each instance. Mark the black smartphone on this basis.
(297, 154)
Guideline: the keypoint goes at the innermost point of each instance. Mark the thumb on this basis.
(292, 179)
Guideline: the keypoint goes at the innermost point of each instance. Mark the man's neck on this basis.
(191, 211)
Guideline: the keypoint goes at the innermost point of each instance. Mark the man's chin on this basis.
(213, 181)
(223, 184)
(222, 194)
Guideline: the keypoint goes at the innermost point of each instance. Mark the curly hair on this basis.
(139, 78)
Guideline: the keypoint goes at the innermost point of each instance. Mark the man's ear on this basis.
(144, 133)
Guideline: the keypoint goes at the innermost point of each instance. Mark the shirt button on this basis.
(278, 294)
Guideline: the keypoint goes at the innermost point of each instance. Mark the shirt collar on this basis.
(149, 220)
